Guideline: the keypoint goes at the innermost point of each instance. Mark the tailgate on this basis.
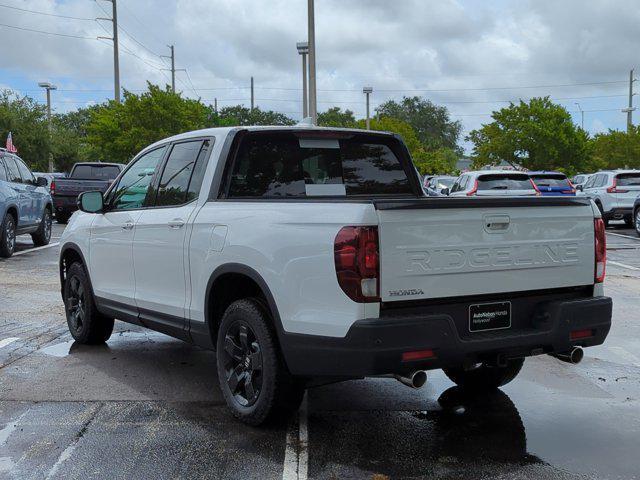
(76, 187)
(527, 244)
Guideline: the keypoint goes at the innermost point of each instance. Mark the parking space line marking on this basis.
(622, 265)
(296, 454)
(6, 432)
(8, 341)
(36, 249)
(624, 236)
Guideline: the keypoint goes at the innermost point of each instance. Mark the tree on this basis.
(116, 132)
(538, 135)
(387, 124)
(442, 161)
(335, 117)
(240, 115)
(616, 149)
(27, 121)
(431, 122)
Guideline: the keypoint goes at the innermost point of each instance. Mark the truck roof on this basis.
(223, 131)
(97, 164)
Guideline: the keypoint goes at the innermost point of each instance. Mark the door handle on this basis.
(127, 226)
(176, 223)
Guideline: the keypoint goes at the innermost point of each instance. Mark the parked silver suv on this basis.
(614, 192)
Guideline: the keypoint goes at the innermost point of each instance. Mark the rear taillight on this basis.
(572, 188)
(356, 257)
(473, 190)
(601, 250)
(52, 187)
(614, 188)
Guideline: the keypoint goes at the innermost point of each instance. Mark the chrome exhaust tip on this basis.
(415, 380)
(573, 356)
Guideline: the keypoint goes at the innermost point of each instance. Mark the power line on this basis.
(37, 12)
(46, 33)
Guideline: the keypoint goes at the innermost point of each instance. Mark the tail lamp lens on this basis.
(356, 256)
(601, 250)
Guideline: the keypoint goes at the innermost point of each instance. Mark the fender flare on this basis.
(76, 249)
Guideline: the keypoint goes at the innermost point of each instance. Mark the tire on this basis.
(42, 236)
(483, 376)
(7, 236)
(62, 217)
(605, 218)
(253, 378)
(86, 324)
(636, 217)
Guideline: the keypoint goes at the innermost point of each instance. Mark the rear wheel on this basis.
(253, 378)
(483, 376)
(62, 217)
(7, 236)
(42, 236)
(636, 217)
(86, 324)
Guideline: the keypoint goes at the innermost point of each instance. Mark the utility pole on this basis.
(368, 91)
(252, 95)
(630, 109)
(313, 109)
(48, 87)
(303, 50)
(581, 115)
(215, 105)
(172, 57)
(116, 60)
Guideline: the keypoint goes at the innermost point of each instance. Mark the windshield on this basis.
(628, 180)
(95, 172)
(553, 180)
(504, 182)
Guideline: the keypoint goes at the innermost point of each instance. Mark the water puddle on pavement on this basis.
(61, 350)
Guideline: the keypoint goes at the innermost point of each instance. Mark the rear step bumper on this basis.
(375, 346)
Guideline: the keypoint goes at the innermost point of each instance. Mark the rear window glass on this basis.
(93, 172)
(628, 180)
(287, 166)
(504, 182)
(550, 180)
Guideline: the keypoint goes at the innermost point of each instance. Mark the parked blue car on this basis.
(25, 204)
(552, 183)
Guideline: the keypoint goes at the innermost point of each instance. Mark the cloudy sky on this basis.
(472, 56)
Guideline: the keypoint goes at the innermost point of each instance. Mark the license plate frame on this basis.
(486, 317)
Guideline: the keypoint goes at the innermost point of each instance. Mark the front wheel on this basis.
(254, 380)
(86, 324)
(42, 236)
(483, 376)
(636, 218)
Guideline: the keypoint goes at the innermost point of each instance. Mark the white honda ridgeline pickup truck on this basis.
(306, 256)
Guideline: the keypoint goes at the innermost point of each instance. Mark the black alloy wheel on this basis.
(8, 236)
(242, 361)
(76, 302)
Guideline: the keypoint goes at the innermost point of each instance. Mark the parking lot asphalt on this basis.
(148, 406)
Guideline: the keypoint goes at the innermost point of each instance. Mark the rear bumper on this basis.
(375, 346)
(618, 213)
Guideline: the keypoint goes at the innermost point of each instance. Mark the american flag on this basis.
(10, 146)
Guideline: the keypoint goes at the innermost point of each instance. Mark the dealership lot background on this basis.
(148, 406)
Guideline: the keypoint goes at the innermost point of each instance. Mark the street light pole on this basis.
(313, 110)
(581, 115)
(48, 87)
(368, 91)
(303, 50)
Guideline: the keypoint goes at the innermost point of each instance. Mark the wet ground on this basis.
(148, 406)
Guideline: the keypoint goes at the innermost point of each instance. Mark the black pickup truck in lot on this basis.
(83, 177)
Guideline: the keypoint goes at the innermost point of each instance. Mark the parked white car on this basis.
(579, 180)
(614, 192)
(493, 183)
(305, 255)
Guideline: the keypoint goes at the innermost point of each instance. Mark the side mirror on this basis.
(445, 191)
(91, 202)
(580, 188)
(41, 182)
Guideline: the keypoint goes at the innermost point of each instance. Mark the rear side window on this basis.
(550, 180)
(13, 173)
(3, 172)
(284, 165)
(504, 182)
(25, 173)
(95, 172)
(628, 179)
(174, 188)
